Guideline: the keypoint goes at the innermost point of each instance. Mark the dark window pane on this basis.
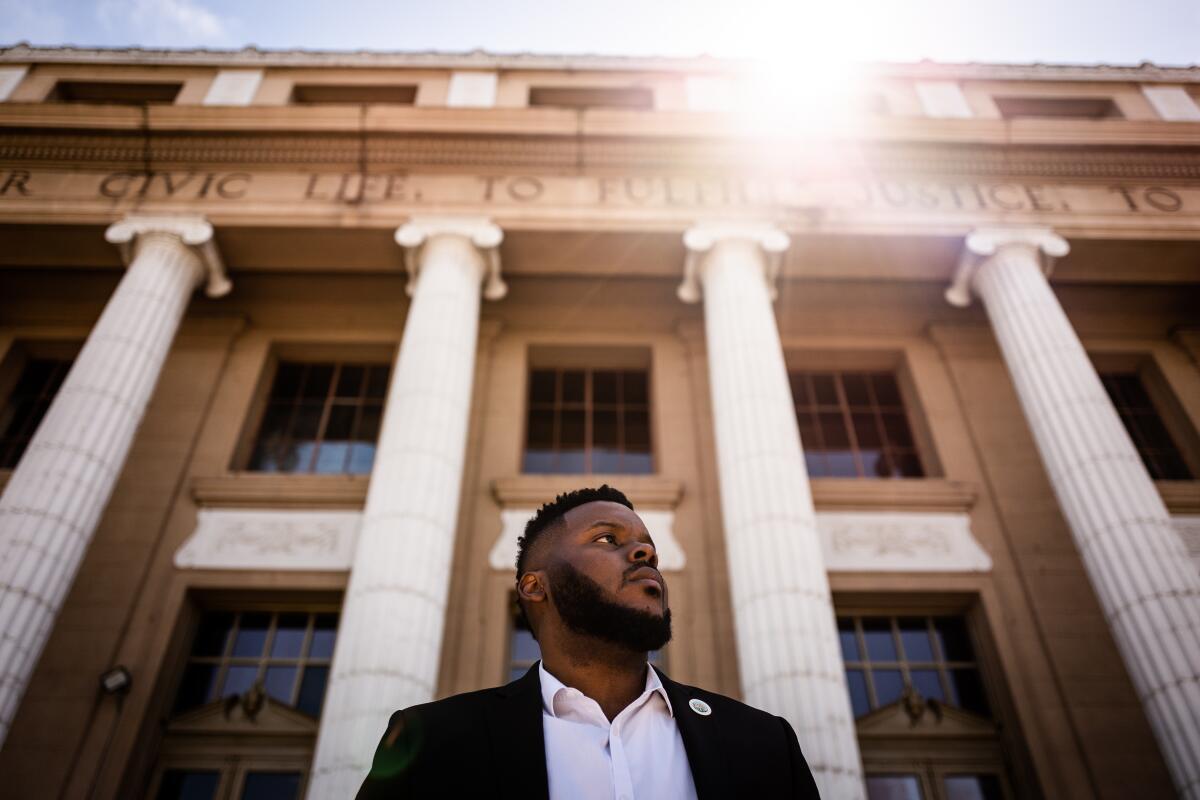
(196, 687)
(875, 464)
(350, 381)
(841, 463)
(251, 635)
(312, 690)
(859, 700)
(906, 464)
(571, 436)
(634, 387)
(341, 422)
(833, 431)
(825, 390)
(857, 393)
(539, 434)
(289, 636)
(186, 784)
(914, 638)
(973, 787)
(814, 463)
(928, 684)
(317, 381)
(880, 644)
(967, 691)
(637, 431)
(887, 392)
(893, 787)
(306, 424)
(571, 462)
(849, 640)
(604, 429)
(866, 431)
(324, 635)
(279, 683)
(604, 387)
(572, 386)
(377, 381)
(239, 679)
(287, 381)
(606, 459)
(541, 386)
(953, 639)
(271, 786)
(896, 427)
(368, 423)
(800, 393)
(538, 461)
(212, 634)
(808, 431)
(889, 685)
(524, 646)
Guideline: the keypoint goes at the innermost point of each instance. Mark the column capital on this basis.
(484, 234)
(983, 243)
(702, 237)
(195, 232)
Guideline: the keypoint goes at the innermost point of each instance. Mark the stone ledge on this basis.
(262, 490)
(1180, 497)
(531, 491)
(909, 494)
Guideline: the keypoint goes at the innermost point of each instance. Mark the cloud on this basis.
(163, 22)
(21, 20)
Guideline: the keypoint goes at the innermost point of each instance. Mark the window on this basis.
(591, 97)
(244, 720)
(123, 92)
(1156, 446)
(321, 418)
(853, 424)
(523, 649)
(588, 420)
(926, 728)
(1058, 107)
(31, 396)
(357, 94)
(886, 657)
(286, 655)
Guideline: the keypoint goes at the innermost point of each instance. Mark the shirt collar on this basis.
(551, 686)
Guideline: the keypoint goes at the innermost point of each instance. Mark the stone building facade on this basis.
(291, 344)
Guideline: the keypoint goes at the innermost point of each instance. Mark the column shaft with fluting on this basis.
(390, 634)
(1147, 586)
(52, 505)
(787, 642)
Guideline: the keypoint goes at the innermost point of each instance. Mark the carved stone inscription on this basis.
(271, 540)
(686, 194)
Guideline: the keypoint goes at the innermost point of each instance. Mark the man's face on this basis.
(604, 578)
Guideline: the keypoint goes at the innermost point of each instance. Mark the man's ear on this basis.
(532, 587)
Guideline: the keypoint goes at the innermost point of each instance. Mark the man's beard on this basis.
(585, 608)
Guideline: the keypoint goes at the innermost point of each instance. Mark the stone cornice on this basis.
(255, 57)
(131, 150)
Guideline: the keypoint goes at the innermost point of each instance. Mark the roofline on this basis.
(24, 53)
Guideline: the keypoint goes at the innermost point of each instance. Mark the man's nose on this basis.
(644, 551)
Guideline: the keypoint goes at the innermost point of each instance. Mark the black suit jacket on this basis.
(489, 744)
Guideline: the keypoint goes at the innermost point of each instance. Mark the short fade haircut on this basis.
(551, 514)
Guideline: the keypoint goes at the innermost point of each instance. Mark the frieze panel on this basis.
(271, 540)
(896, 541)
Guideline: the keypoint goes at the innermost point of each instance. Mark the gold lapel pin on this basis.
(700, 707)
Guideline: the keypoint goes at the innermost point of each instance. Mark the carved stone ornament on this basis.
(702, 237)
(271, 540)
(660, 523)
(899, 541)
(194, 231)
(482, 232)
(983, 243)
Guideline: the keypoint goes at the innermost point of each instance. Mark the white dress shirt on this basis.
(639, 756)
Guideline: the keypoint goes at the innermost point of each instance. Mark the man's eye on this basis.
(607, 536)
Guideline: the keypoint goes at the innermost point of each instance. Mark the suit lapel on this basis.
(514, 718)
(702, 736)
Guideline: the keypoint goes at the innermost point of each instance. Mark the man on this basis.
(593, 719)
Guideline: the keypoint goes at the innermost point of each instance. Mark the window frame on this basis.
(20, 353)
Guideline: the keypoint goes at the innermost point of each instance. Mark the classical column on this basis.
(787, 639)
(390, 634)
(1148, 587)
(54, 500)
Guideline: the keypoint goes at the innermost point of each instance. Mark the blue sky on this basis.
(1060, 31)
